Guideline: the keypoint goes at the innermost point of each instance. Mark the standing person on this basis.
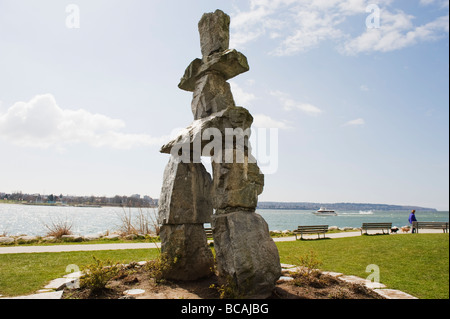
(412, 218)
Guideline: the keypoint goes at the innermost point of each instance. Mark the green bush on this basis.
(158, 267)
(97, 274)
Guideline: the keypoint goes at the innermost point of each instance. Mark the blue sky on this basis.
(362, 113)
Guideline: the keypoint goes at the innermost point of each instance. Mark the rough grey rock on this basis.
(186, 245)
(212, 94)
(393, 294)
(72, 238)
(46, 295)
(74, 275)
(236, 185)
(365, 282)
(134, 292)
(59, 283)
(92, 237)
(27, 239)
(185, 194)
(6, 240)
(214, 29)
(246, 253)
(228, 64)
(230, 118)
(112, 236)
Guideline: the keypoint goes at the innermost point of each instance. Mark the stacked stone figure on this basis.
(247, 257)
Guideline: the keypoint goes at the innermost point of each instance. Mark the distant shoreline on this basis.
(262, 205)
(339, 206)
(69, 205)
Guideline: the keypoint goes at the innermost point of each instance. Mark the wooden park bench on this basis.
(382, 226)
(208, 232)
(430, 225)
(317, 229)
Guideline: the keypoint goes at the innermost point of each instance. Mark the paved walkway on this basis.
(66, 248)
(118, 246)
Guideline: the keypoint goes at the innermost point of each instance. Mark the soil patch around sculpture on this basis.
(322, 287)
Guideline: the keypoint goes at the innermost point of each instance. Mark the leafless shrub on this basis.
(143, 223)
(59, 228)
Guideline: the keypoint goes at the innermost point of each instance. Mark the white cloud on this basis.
(396, 32)
(312, 27)
(265, 121)
(289, 104)
(294, 26)
(275, 19)
(42, 123)
(357, 122)
(241, 97)
(364, 88)
(244, 99)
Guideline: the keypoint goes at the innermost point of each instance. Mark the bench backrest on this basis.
(377, 225)
(208, 232)
(313, 228)
(435, 225)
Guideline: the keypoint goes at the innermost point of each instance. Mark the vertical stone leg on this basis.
(184, 207)
(246, 254)
(187, 251)
(185, 194)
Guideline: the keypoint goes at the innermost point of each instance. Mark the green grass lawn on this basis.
(415, 263)
(22, 274)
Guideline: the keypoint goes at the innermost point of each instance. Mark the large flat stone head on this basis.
(214, 31)
(232, 117)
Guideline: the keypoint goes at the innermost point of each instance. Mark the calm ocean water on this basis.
(31, 220)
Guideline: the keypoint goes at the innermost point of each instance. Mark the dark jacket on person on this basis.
(412, 218)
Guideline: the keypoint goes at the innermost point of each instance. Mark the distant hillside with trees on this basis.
(135, 200)
(338, 206)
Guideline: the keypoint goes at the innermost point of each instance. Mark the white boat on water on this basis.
(325, 212)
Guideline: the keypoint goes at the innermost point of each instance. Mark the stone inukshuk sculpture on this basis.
(246, 255)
